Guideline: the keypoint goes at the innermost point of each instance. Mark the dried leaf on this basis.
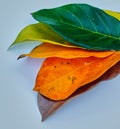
(45, 50)
(47, 106)
(58, 78)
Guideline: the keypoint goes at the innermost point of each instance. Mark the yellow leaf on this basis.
(42, 33)
(58, 78)
(50, 50)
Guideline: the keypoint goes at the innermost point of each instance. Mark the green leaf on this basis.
(83, 25)
(113, 13)
(39, 32)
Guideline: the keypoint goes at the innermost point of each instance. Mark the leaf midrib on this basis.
(82, 28)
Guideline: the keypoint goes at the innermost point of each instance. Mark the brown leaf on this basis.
(47, 106)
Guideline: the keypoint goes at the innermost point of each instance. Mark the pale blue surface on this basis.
(97, 109)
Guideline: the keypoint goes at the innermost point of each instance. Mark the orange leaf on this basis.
(48, 106)
(58, 78)
(50, 50)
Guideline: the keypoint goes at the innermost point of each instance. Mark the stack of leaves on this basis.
(80, 42)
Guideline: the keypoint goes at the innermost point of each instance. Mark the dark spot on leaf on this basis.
(73, 79)
(51, 89)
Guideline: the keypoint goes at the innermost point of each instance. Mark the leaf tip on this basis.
(21, 56)
(9, 47)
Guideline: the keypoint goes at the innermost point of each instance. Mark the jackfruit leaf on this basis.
(113, 13)
(58, 78)
(83, 25)
(45, 50)
(43, 33)
(39, 32)
(47, 106)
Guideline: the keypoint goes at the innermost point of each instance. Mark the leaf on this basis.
(58, 78)
(83, 25)
(39, 32)
(47, 106)
(113, 13)
(43, 33)
(45, 50)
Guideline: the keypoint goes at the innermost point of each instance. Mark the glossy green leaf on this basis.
(40, 32)
(113, 13)
(83, 25)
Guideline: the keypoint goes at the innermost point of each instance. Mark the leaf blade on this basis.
(47, 106)
(93, 22)
(39, 32)
(46, 50)
(113, 13)
(58, 78)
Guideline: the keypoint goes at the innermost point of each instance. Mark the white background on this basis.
(97, 109)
